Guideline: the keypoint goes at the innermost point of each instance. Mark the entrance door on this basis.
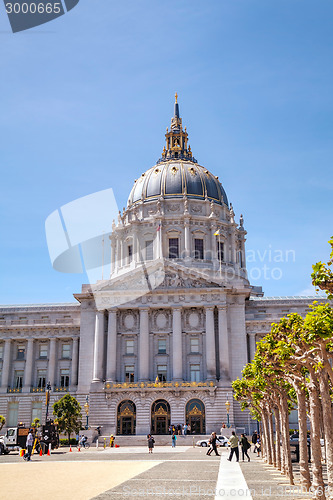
(161, 426)
(127, 424)
(195, 416)
(160, 417)
(126, 418)
(195, 423)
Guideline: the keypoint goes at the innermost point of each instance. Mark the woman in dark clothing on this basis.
(151, 442)
(212, 443)
(245, 446)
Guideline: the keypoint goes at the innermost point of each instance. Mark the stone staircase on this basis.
(160, 440)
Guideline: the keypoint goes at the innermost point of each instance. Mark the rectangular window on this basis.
(43, 351)
(149, 246)
(36, 411)
(129, 373)
(198, 248)
(173, 248)
(12, 420)
(1, 351)
(129, 253)
(240, 258)
(41, 379)
(195, 373)
(66, 351)
(64, 377)
(20, 351)
(220, 251)
(162, 373)
(129, 346)
(194, 344)
(161, 346)
(18, 379)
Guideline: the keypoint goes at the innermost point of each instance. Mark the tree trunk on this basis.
(314, 405)
(328, 427)
(303, 437)
(278, 437)
(286, 436)
(271, 435)
(268, 450)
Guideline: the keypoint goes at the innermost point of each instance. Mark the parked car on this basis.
(222, 441)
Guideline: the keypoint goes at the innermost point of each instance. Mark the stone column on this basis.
(98, 347)
(187, 238)
(252, 345)
(144, 345)
(111, 359)
(6, 364)
(136, 257)
(52, 362)
(113, 255)
(210, 344)
(28, 366)
(75, 359)
(214, 240)
(118, 256)
(232, 246)
(223, 343)
(177, 343)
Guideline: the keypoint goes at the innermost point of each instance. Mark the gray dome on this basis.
(176, 179)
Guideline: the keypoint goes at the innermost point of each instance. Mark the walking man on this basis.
(29, 445)
(234, 447)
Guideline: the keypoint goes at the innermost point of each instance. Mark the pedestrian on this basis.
(257, 447)
(179, 429)
(173, 440)
(212, 442)
(29, 445)
(234, 447)
(170, 429)
(173, 429)
(111, 441)
(189, 429)
(254, 440)
(245, 445)
(185, 429)
(151, 442)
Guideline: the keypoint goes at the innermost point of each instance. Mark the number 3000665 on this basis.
(33, 8)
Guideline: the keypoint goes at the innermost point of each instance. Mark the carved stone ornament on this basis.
(175, 207)
(174, 280)
(196, 209)
(161, 320)
(128, 320)
(193, 319)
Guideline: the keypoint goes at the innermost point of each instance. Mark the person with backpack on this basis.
(245, 445)
(233, 447)
(173, 440)
(212, 442)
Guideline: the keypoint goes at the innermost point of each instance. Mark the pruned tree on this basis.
(68, 415)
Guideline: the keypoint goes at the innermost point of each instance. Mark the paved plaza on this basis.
(131, 473)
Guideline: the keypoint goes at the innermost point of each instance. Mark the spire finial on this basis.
(176, 97)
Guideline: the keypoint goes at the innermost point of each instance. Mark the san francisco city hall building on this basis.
(161, 340)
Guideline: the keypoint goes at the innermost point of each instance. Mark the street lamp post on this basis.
(227, 404)
(48, 389)
(86, 408)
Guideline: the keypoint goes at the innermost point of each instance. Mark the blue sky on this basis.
(85, 101)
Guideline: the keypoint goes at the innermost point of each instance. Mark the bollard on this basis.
(97, 443)
(104, 443)
(193, 443)
(49, 450)
(22, 452)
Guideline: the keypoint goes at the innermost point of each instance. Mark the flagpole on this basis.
(220, 255)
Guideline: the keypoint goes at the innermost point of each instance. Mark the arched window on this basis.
(126, 418)
(195, 416)
(160, 417)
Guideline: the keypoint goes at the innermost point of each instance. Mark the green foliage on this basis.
(64, 442)
(67, 412)
(35, 423)
(2, 421)
(322, 276)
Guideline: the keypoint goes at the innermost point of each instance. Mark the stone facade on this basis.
(161, 340)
